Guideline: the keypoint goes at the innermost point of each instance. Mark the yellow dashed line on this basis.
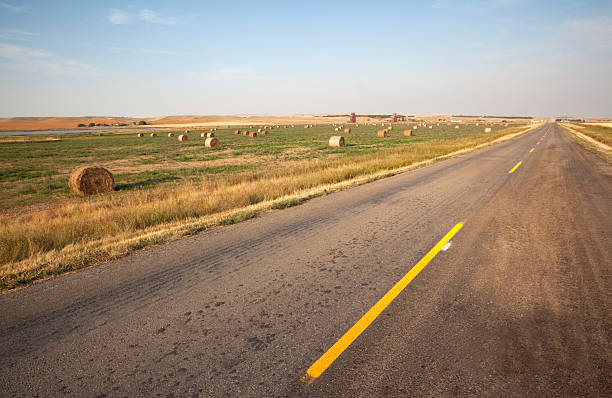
(334, 352)
(515, 167)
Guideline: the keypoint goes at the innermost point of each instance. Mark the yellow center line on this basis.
(351, 335)
(531, 150)
(515, 167)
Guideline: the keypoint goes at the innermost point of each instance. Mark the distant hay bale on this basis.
(306, 126)
(415, 127)
(430, 127)
(211, 142)
(203, 135)
(456, 127)
(237, 132)
(210, 135)
(100, 134)
(140, 135)
(382, 133)
(89, 180)
(245, 132)
(153, 135)
(253, 134)
(182, 138)
(488, 130)
(347, 131)
(170, 134)
(407, 133)
(336, 141)
(264, 132)
(187, 131)
(336, 129)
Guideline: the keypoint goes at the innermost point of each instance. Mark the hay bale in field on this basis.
(153, 135)
(140, 135)
(245, 132)
(264, 132)
(89, 180)
(259, 130)
(488, 130)
(187, 131)
(100, 134)
(182, 138)
(237, 132)
(407, 133)
(253, 134)
(336, 141)
(347, 131)
(203, 135)
(415, 127)
(211, 142)
(456, 127)
(382, 133)
(336, 129)
(430, 127)
(210, 135)
(170, 134)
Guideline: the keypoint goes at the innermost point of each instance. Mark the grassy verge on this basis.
(600, 135)
(81, 232)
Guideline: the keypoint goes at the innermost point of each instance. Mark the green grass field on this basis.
(166, 189)
(33, 173)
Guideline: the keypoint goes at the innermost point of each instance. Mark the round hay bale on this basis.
(264, 132)
(186, 131)
(245, 132)
(259, 130)
(100, 134)
(237, 132)
(203, 135)
(337, 129)
(170, 134)
(140, 135)
(211, 142)
(336, 141)
(488, 130)
(89, 180)
(253, 134)
(306, 126)
(430, 127)
(153, 135)
(415, 127)
(407, 133)
(212, 129)
(456, 127)
(182, 138)
(382, 133)
(347, 131)
(210, 135)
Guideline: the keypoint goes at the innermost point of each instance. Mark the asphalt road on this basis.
(518, 304)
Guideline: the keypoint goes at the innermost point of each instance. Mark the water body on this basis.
(62, 131)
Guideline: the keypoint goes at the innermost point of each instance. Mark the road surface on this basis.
(517, 303)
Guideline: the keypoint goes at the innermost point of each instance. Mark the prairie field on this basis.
(165, 189)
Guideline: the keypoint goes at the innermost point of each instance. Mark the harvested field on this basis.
(38, 210)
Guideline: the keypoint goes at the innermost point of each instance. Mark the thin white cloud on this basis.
(118, 17)
(12, 8)
(42, 61)
(232, 72)
(151, 16)
(124, 17)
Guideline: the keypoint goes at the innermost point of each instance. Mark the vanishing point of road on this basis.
(482, 275)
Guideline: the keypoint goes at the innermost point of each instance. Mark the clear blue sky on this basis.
(144, 58)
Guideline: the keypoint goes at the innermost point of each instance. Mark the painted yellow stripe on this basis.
(334, 352)
(538, 143)
(531, 150)
(515, 167)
